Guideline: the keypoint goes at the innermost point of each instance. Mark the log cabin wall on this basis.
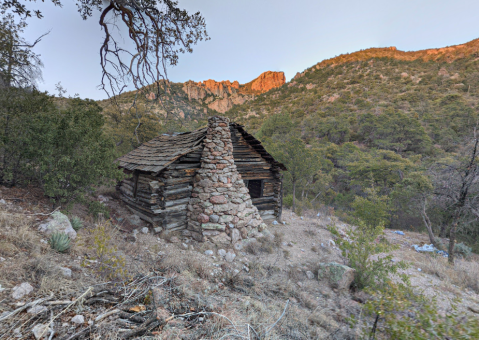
(162, 200)
(253, 169)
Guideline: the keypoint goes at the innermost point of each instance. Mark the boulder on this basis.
(78, 319)
(41, 331)
(66, 272)
(135, 220)
(338, 275)
(21, 290)
(59, 223)
(230, 256)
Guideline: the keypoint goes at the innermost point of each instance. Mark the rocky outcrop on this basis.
(221, 206)
(267, 81)
(225, 104)
(221, 96)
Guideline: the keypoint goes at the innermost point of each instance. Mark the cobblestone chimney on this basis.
(220, 206)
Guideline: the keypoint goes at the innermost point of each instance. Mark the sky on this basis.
(249, 37)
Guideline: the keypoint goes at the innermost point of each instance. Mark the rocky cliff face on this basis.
(221, 96)
(267, 81)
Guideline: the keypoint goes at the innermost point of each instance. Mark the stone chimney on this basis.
(220, 206)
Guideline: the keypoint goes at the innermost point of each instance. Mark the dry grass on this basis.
(464, 273)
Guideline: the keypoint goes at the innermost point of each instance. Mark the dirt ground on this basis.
(274, 281)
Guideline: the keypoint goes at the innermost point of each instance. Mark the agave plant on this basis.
(76, 222)
(60, 242)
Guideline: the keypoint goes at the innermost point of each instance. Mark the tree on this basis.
(158, 29)
(456, 188)
(60, 146)
(19, 65)
(302, 163)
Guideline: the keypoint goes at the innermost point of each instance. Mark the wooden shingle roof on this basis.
(161, 151)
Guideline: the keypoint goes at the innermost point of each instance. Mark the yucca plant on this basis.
(59, 242)
(76, 222)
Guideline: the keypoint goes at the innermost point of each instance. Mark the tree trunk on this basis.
(452, 241)
(294, 195)
(428, 224)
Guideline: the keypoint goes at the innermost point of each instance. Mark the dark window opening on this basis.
(255, 188)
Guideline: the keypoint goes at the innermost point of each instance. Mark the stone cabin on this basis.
(205, 182)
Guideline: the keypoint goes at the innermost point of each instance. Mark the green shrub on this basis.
(60, 145)
(288, 201)
(96, 208)
(358, 246)
(59, 242)
(462, 250)
(111, 265)
(76, 222)
(402, 314)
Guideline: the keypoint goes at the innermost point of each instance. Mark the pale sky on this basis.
(249, 37)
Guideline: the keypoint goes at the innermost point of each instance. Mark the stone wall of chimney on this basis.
(220, 203)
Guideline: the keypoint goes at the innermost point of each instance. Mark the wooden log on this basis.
(171, 203)
(170, 191)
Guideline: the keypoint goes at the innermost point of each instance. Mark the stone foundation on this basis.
(220, 206)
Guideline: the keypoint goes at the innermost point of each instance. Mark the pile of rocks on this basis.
(221, 206)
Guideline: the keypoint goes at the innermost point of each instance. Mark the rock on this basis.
(338, 275)
(158, 230)
(238, 246)
(78, 319)
(144, 230)
(185, 246)
(275, 222)
(2, 201)
(66, 272)
(41, 331)
(58, 224)
(209, 253)
(221, 239)
(230, 256)
(2, 259)
(37, 309)
(310, 275)
(21, 290)
(103, 199)
(135, 220)
(219, 199)
(222, 252)
(174, 239)
(267, 81)
(214, 218)
(17, 332)
(202, 218)
(235, 236)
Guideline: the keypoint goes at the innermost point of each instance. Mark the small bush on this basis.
(111, 265)
(402, 314)
(96, 208)
(358, 247)
(59, 242)
(76, 222)
(288, 201)
(462, 250)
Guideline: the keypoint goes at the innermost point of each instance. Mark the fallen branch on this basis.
(272, 326)
(102, 316)
(149, 324)
(25, 306)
